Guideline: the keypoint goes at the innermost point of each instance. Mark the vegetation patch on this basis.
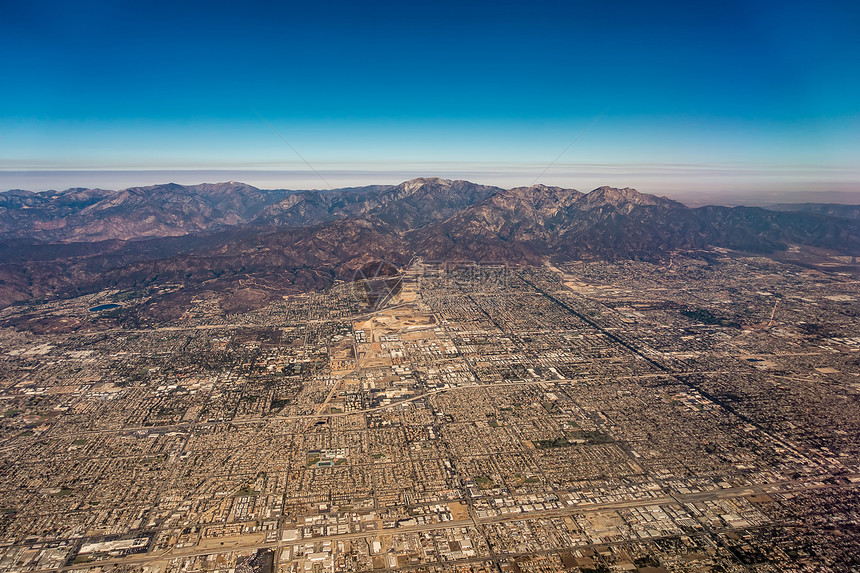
(707, 317)
(555, 443)
(573, 438)
(484, 482)
(278, 403)
(550, 407)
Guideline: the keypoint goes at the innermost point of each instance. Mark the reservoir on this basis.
(107, 306)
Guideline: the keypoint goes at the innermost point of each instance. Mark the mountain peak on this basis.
(418, 182)
(541, 189)
(616, 197)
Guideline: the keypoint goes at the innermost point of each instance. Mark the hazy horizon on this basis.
(747, 98)
(712, 185)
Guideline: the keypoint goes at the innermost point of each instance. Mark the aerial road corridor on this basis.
(393, 405)
(788, 486)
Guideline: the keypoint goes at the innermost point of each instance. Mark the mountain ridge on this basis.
(223, 235)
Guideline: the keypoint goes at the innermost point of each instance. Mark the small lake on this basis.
(108, 306)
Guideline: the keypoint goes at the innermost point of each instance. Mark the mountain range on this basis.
(251, 245)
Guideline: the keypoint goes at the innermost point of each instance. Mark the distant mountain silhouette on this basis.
(837, 210)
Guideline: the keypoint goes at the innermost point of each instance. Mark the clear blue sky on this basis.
(724, 93)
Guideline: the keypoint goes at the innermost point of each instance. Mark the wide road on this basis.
(398, 403)
(787, 486)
